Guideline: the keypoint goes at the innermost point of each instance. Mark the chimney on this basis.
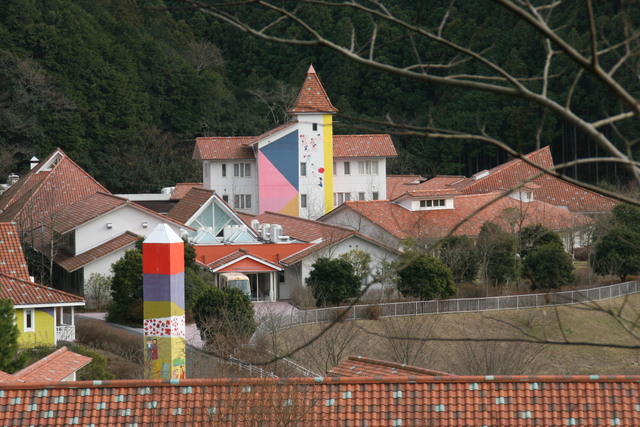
(13, 178)
(34, 162)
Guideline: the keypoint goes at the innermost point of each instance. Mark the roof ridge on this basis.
(377, 379)
(37, 364)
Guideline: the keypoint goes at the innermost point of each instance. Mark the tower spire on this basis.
(312, 98)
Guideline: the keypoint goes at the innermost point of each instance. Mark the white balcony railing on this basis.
(66, 333)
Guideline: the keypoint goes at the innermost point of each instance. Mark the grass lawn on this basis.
(581, 340)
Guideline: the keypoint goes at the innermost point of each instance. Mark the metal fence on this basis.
(459, 305)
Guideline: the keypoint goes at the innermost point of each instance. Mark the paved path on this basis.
(263, 310)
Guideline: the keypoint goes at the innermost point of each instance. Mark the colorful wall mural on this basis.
(279, 175)
(163, 287)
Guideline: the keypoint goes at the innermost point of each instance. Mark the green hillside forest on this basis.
(125, 86)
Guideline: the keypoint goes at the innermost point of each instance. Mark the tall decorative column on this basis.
(163, 287)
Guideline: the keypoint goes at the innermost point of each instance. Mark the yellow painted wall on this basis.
(45, 329)
(327, 136)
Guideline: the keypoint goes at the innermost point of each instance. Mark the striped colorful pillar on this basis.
(163, 287)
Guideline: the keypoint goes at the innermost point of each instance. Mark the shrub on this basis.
(424, 277)
(227, 313)
(333, 281)
(549, 267)
(97, 292)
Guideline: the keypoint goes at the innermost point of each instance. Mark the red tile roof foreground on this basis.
(52, 368)
(403, 223)
(370, 401)
(358, 366)
(23, 292)
(12, 261)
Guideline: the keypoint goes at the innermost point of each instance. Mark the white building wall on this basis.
(347, 218)
(297, 274)
(311, 152)
(126, 218)
(103, 265)
(355, 182)
(230, 185)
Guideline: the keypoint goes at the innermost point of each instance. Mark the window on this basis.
(334, 168)
(225, 197)
(242, 169)
(242, 201)
(432, 203)
(224, 170)
(206, 169)
(340, 198)
(368, 167)
(347, 168)
(361, 195)
(374, 195)
(303, 169)
(303, 200)
(315, 126)
(29, 320)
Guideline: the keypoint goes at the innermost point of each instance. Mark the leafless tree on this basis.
(407, 339)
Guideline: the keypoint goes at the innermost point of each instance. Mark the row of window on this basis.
(339, 198)
(365, 167)
(432, 203)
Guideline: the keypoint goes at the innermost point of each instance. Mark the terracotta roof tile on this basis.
(358, 366)
(72, 263)
(379, 145)
(23, 292)
(38, 198)
(371, 401)
(189, 204)
(321, 234)
(223, 147)
(182, 188)
(84, 210)
(551, 189)
(55, 367)
(12, 261)
(312, 98)
(403, 223)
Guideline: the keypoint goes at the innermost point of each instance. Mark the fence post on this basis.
(416, 309)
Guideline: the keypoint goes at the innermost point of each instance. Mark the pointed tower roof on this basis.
(312, 97)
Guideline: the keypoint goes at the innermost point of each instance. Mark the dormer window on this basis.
(437, 203)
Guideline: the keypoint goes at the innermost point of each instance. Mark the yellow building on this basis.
(44, 315)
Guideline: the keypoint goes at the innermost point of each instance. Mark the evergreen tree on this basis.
(617, 251)
(11, 360)
(333, 281)
(424, 277)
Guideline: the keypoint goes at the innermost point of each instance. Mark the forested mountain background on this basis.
(125, 86)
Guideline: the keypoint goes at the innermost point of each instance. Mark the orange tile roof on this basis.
(551, 189)
(312, 97)
(38, 195)
(189, 204)
(211, 255)
(183, 188)
(12, 261)
(371, 401)
(223, 147)
(358, 366)
(55, 367)
(23, 292)
(72, 263)
(84, 210)
(403, 223)
(379, 145)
